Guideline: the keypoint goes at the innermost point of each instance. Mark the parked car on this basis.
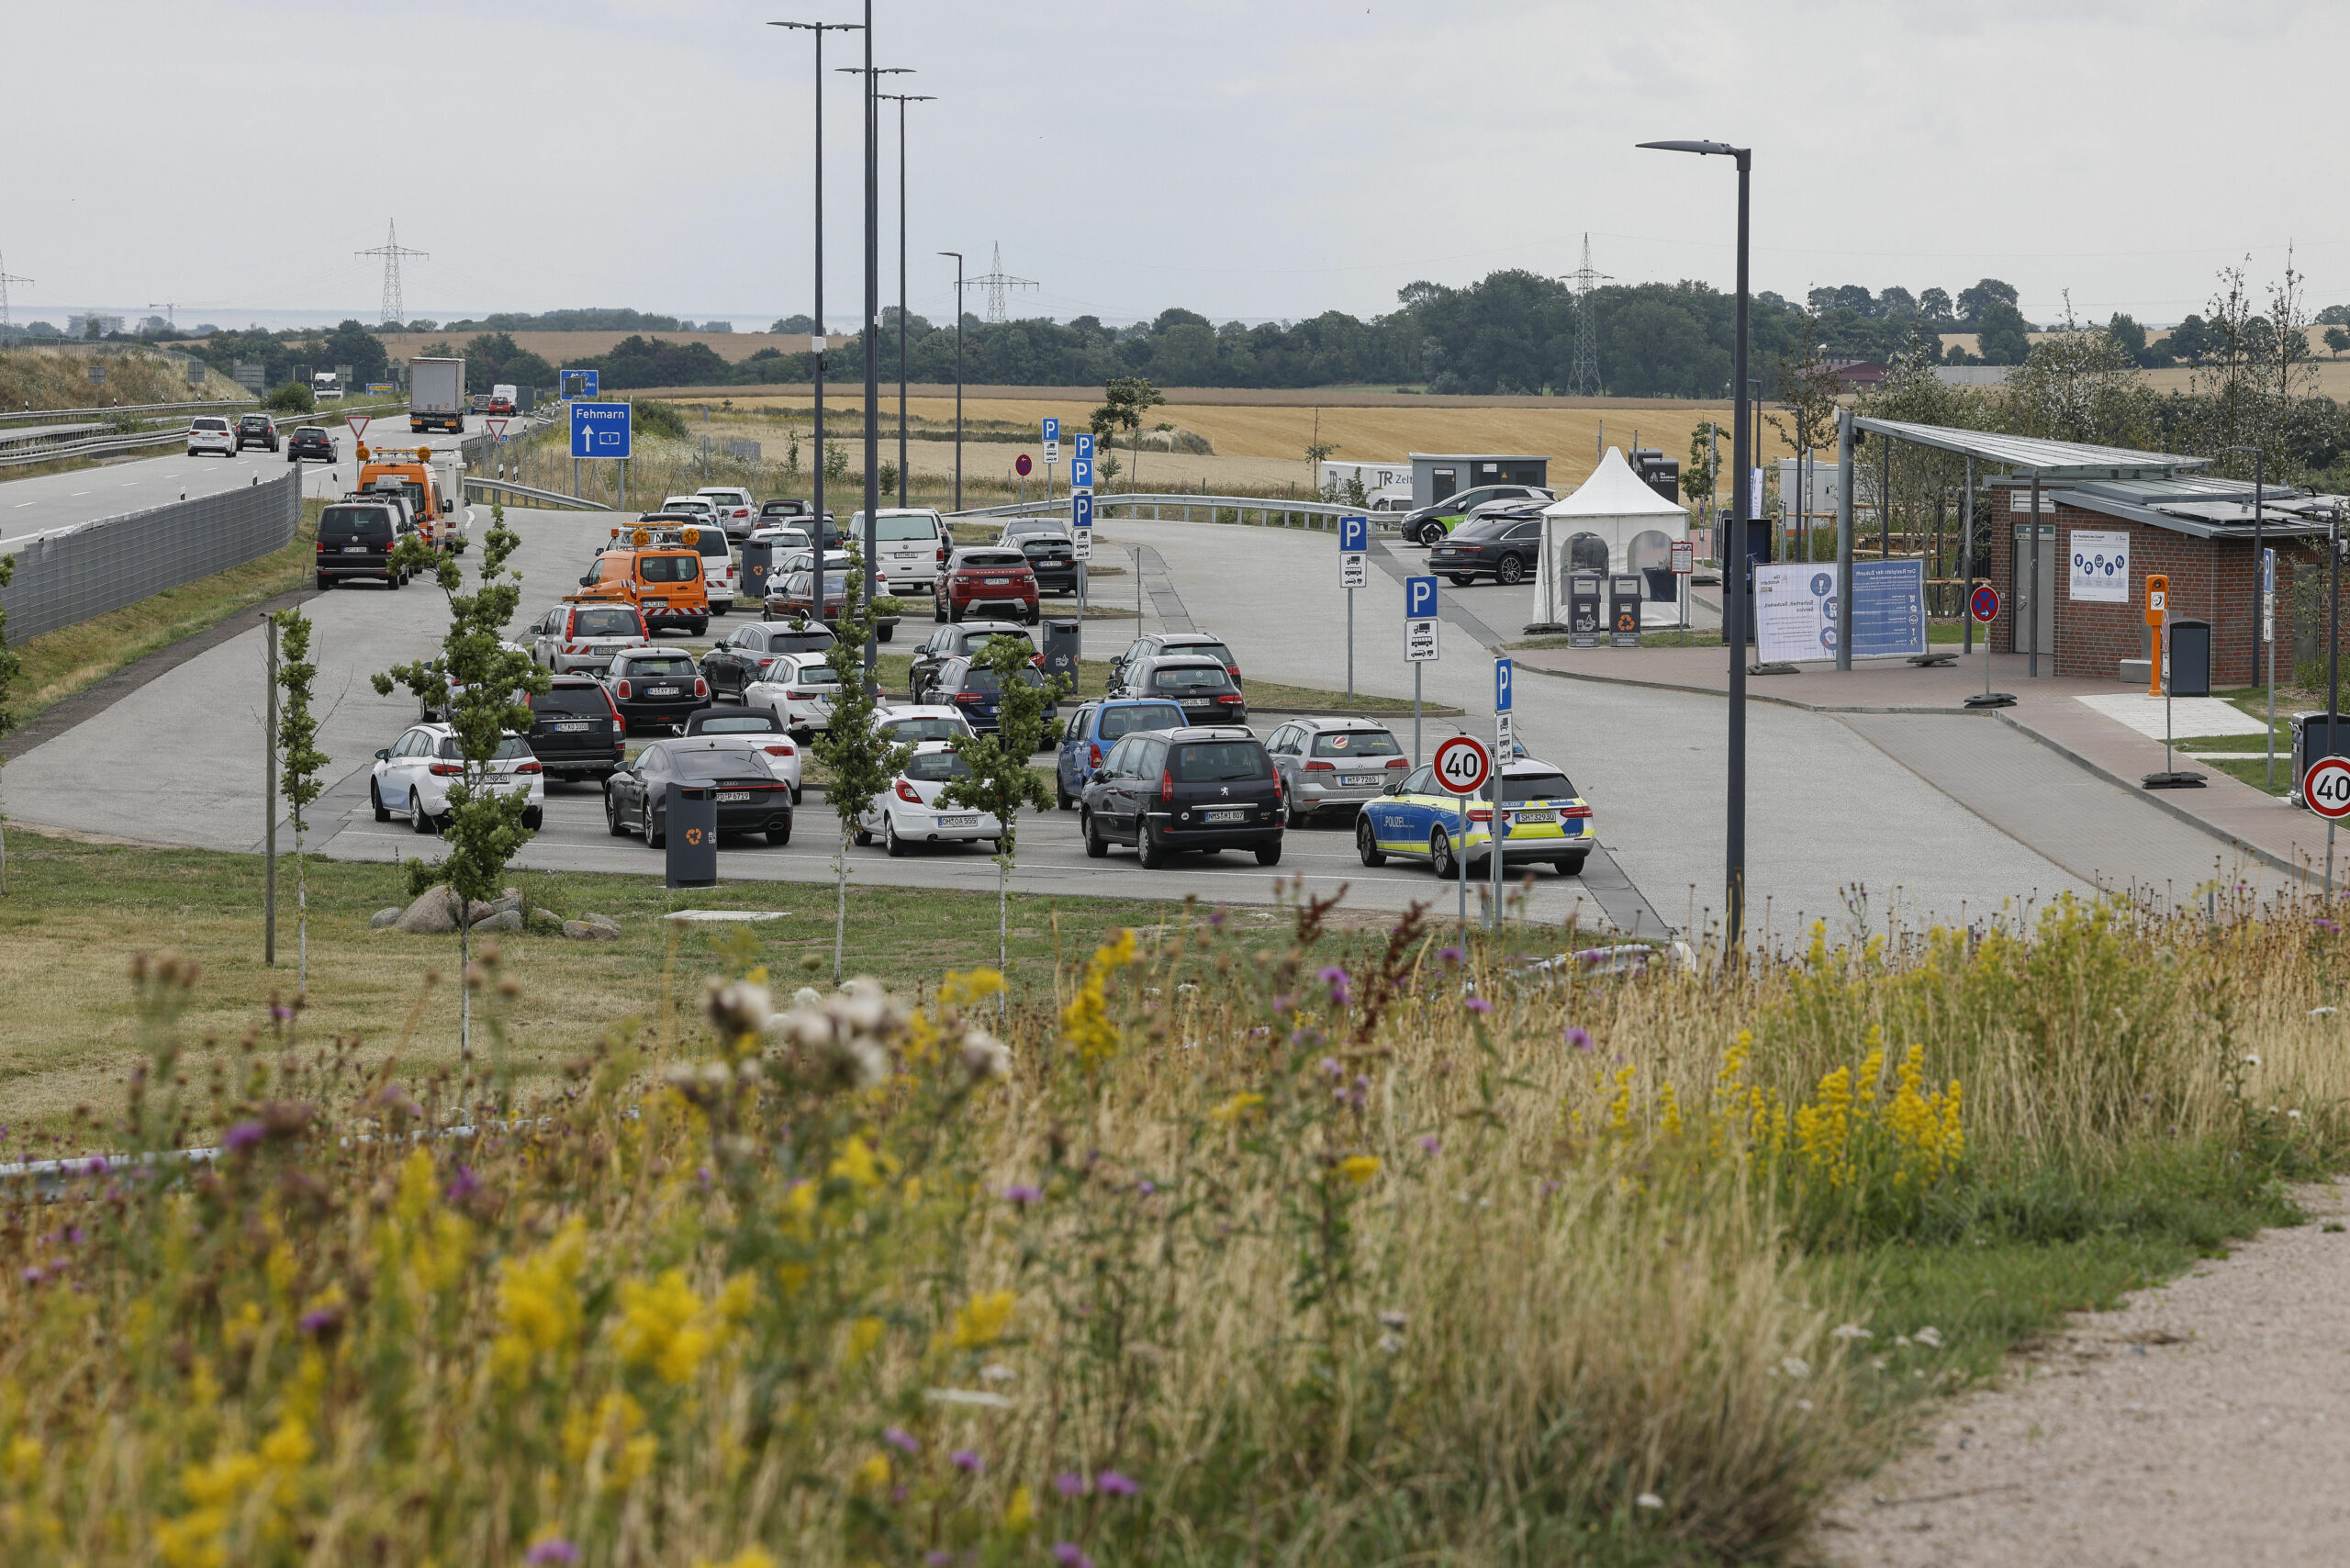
(412, 776)
(689, 508)
(573, 639)
(706, 538)
(311, 440)
(1160, 642)
(908, 723)
(1431, 523)
(977, 692)
(983, 578)
(664, 582)
(356, 540)
(763, 729)
(956, 641)
(209, 432)
(575, 729)
(754, 796)
(1328, 762)
(257, 430)
(1165, 792)
(909, 545)
(1501, 546)
(1049, 547)
(1094, 729)
(749, 652)
(1416, 820)
(795, 597)
(799, 689)
(911, 811)
(656, 688)
(1199, 684)
(737, 512)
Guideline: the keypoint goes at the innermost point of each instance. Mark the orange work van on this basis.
(662, 581)
(424, 479)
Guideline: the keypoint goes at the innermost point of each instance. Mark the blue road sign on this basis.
(1080, 473)
(1052, 430)
(599, 429)
(579, 383)
(1082, 509)
(2267, 571)
(1501, 686)
(1419, 598)
(1354, 533)
(1084, 445)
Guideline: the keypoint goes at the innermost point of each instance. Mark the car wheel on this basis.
(1440, 854)
(860, 836)
(417, 821)
(938, 611)
(1154, 853)
(1461, 580)
(780, 836)
(375, 799)
(1512, 571)
(612, 824)
(1269, 854)
(795, 794)
(1037, 616)
(1571, 865)
(1367, 843)
(696, 628)
(1096, 846)
(655, 835)
(889, 839)
(956, 616)
(1062, 799)
(1291, 815)
(534, 818)
(325, 583)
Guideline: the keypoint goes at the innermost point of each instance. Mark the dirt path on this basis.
(2202, 1423)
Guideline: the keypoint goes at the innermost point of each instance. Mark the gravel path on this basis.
(2202, 1423)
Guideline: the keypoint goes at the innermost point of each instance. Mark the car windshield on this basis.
(990, 560)
(512, 747)
(936, 767)
(589, 701)
(1219, 762)
(669, 568)
(759, 723)
(606, 624)
(1116, 721)
(354, 522)
(659, 666)
(898, 732)
(1191, 677)
(1357, 743)
(1536, 787)
(888, 529)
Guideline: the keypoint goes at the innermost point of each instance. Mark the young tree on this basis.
(1809, 387)
(861, 764)
(1002, 783)
(9, 668)
(1125, 399)
(484, 684)
(300, 760)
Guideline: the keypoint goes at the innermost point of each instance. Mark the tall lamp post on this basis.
(2260, 584)
(901, 100)
(872, 328)
(820, 29)
(1734, 571)
(958, 378)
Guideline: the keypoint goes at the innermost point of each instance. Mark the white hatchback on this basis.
(207, 432)
(911, 811)
(413, 775)
(799, 689)
(909, 723)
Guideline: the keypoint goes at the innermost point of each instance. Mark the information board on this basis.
(2101, 561)
(1795, 610)
(1889, 609)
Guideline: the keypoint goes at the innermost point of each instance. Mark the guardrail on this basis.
(95, 446)
(536, 497)
(112, 408)
(1320, 515)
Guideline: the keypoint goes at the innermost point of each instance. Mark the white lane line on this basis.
(21, 504)
(77, 493)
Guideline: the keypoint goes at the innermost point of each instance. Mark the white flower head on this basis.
(1849, 1331)
(738, 1007)
(1795, 1366)
(1391, 1343)
(2251, 1058)
(807, 996)
(983, 1056)
(1930, 1336)
(1647, 1500)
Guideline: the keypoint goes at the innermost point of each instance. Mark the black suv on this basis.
(309, 441)
(575, 730)
(1195, 683)
(655, 685)
(257, 430)
(1502, 546)
(955, 642)
(1165, 792)
(356, 540)
(1052, 554)
(1158, 643)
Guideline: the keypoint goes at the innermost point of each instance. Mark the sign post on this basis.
(2268, 635)
(1023, 466)
(1462, 766)
(1504, 753)
(1683, 556)
(1983, 608)
(2157, 618)
(1052, 454)
(1354, 557)
(1419, 642)
(1081, 519)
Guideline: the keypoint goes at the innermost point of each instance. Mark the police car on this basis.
(1415, 819)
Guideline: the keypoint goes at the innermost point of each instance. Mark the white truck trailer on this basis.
(436, 395)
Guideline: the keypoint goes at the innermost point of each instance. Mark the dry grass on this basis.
(59, 378)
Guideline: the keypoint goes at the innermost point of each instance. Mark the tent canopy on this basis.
(1614, 509)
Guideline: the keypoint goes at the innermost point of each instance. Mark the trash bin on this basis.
(758, 560)
(691, 822)
(1061, 642)
(1584, 628)
(1624, 597)
(2190, 658)
(2311, 740)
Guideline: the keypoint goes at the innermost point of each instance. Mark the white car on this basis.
(799, 689)
(413, 774)
(208, 433)
(926, 722)
(736, 510)
(909, 545)
(756, 727)
(910, 810)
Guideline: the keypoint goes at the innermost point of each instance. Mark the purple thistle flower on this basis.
(466, 1185)
(1342, 987)
(74, 1234)
(96, 1165)
(1070, 1483)
(242, 1136)
(1451, 955)
(320, 1319)
(33, 1275)
(1216, 917)
(554, 1549)
(1478, 1004)
(1432, 1144)
(899, 1439)
(1578, 1038)
(1146, 1186)
(1112, 1484)
(1330, 1066)
(1281, 1003)
(1067, 1556)
(2323, 925)
(1022, 1193)
(968, 1460)
(939, 1559)
(279, 1011)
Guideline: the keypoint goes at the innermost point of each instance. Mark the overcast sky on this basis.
(1240, 157)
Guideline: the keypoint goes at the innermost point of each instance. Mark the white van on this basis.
(910, 545)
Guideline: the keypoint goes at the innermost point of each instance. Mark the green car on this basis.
(1429, 524)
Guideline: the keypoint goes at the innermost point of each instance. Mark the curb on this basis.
(1751, 694)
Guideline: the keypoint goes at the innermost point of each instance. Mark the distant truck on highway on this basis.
(326, 386)
(436, 395)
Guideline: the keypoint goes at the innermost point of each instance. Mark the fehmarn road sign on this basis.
(2325, 788)
(599, 429)
(1462, 765)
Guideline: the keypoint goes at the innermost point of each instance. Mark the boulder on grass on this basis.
(588, 931)
(503, 920)
(434, 913)
(382, 917)
(605, 921)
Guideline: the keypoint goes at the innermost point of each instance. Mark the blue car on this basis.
(975, 691)
(1097, 726)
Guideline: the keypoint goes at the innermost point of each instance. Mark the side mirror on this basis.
(587, 581)
(383, 754)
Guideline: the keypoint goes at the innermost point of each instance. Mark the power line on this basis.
(997, 282)
(391, 250)
(1584, 381)
(7, 328)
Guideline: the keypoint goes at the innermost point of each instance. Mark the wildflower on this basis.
(464, 1186)
(1930, 1336)
(1145, 1186)
(2251, 1058)
(740, 1008)
(1795, 1366)
(1391, 1343)
(982, 1320)
(1647, 1500)
(321, 1321)
(1432, 1144)
(1020, 1513)
(968, 1460)
(1282, 1003)
(1070, 1483)
(1067, 1556)
(938, 1558)
(1112, 1483)
(1239, 1105)
(552, 1549)
(1341, 988)
(1478, 1004)
(1451, 955)
(1395, 1320)
(1329, 1068)
(1359, 1168)
(2321, 1011)
(538, 1299)
(1578, 1038)
(1085, 1022)
(749, 1557)
(983, 1056)
(996, 1372)
(280, 1012)
(242, 1136)
(1849, 1331)
(874, 1473)
(1022, 1193)
(662, 1326)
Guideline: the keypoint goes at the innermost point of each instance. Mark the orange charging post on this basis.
(2157, 609)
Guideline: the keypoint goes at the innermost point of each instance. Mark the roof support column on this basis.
(2033, 533)
(1843, 539)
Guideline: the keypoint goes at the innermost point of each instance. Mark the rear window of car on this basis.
(660, 665)
(992, 560)
(509, 749)
(712, 543)
(1191, 678)
(979, 644)
(809, 640)
(900, 732)
(730, 760)
(815, 675)
(1219, 762)
(354, 522)
(1536, 787)
(669, 568)
(979, 678)
(606, 624)
(886, 529)
(1116, 721)
(583, 700)
(210, 425)
(1216, 650)
(759, 723)
(309, 430)
(936, 767)
(1357, 743)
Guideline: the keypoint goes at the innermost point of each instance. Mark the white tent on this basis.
(1614, 522)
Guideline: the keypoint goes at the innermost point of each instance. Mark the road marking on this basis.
(77, 493)
(22, 504)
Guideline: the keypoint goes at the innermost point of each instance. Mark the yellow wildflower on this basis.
(661, 1325)
(612, 1422)
(961, 988)
(1239, 1105)
(1085, 1022)
(863, 1335)
(1669, 1110)
(749, 1557)
(537, 1301)
(981, 1321)
(1359, 1168)
(858, 1161)
(21, 1459)
(874, 1473)
(1020, 1513)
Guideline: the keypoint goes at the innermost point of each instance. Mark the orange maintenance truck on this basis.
(662, 581)
(428, 479)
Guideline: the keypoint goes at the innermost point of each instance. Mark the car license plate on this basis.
(1360, 781)
(725, 795)
(958, 822)
(1534, 816)
(660, 691)
(995, 582)
(354, 549)
(572, 729)
(1233, 816)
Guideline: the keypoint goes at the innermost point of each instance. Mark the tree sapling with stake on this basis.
(10, 666)
(1000, 783)
(859, 762)
(300, 760)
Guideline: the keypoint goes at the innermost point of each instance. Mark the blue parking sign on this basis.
(601, 429)
(1080, 473)
(1354, 533)
(1052, 430)
(1419, 598)
(1082, 509)
(1084, 446)
(1501, 686)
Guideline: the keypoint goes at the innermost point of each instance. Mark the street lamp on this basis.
(820, 29)
(2261, 584)
(902, 99)
(958, 378)
(872, 328)
(1734, 583)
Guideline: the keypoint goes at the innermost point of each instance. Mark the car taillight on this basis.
(612, 705)
(1575, 811)
(447, 769)
(1234, 671)
(765, 662)
(701, 687)
(322, 546)
(778, 750)
(623, 688)
(529, 767)
(906, 793)
(1319, 767)
(966, 697)
(1092, 755)
(942, 555)
(1167, 787)
(1480, 813)
(1397, 762)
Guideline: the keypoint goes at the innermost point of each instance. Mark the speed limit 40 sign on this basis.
(1462, 765)
(2325, 788)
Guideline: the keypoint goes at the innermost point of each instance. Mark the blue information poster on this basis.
(1888, 608)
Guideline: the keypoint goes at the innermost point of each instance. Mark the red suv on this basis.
(987, 579)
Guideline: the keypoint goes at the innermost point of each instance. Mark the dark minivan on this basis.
(575, 730)
(357, 541)
(1165, 792)
(976, 692)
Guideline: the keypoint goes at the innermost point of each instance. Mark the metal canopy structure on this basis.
(2030, 456)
